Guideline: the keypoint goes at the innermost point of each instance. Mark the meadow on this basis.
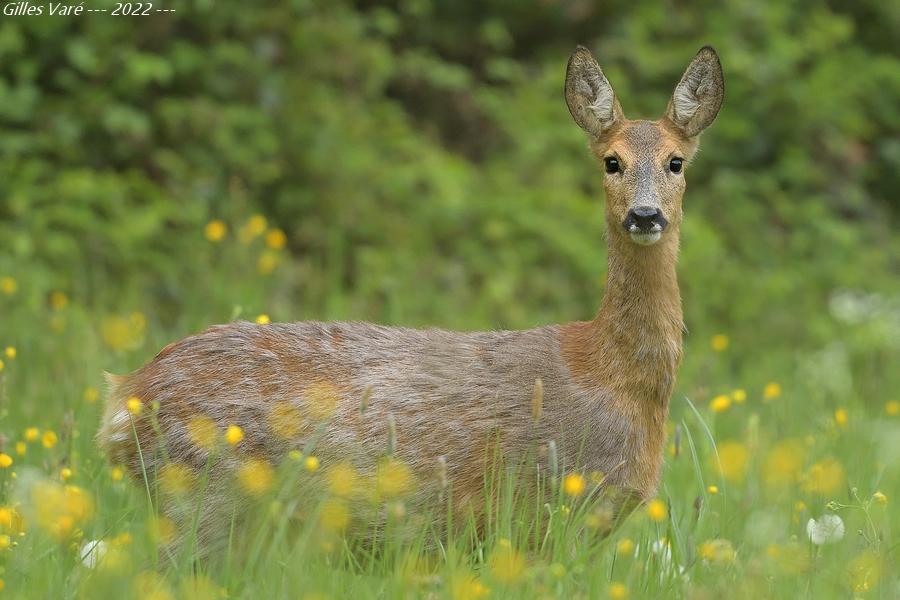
(355, 161)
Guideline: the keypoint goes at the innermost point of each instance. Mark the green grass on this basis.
(782, 466)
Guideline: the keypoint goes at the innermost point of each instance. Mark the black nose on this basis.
(645, 219)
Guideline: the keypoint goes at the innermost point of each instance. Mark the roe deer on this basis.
(446, 396)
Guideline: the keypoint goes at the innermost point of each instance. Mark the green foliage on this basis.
(421, 161)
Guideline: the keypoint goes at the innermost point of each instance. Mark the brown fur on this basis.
(454, 397)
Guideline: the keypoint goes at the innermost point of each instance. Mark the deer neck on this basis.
(632, 348)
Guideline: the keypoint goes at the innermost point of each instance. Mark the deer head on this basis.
(644, 160)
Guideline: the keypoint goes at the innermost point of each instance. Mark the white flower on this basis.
(92, 552)
(828, 529)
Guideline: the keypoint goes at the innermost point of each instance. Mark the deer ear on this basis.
(591, 99)
(699, 94)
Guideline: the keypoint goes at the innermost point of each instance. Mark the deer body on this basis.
(448, 396)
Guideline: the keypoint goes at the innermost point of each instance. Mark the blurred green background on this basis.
(421, 162)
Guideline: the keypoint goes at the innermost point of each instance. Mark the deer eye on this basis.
(675, 165)
(612, 164)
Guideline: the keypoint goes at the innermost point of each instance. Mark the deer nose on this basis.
(645, 219)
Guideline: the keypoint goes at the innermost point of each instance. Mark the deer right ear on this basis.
(591, 99)
(698, 96)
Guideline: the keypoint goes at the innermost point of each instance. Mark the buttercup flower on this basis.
(719, 342)
(215, 230)
(656, 510)
(574, 484)
(234, 435)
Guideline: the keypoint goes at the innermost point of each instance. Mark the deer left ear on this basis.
(699, 94)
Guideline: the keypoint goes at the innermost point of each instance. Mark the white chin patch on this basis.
(645, 239)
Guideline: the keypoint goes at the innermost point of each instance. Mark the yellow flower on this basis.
(65, 473)
(720, 403)
(713, 489)
(151, 586)
(275, 239)
(60, 509)
(256, 477)
(2, 364)
(732, 460)
(841, 418)
(6, 460)
(161, 530)
(176, 479)
(267, 263)
(892, 408)
(200, 587)
(58, 300)
(573, 484)
(286, 420)
(321, 399)
(263, 319)
(234, 435)
(8, 285)
(124, 333)
(134, 405)
(719, 342)
(617, 591)
(5, 542)
(335, 515)
(506, 564)
(880, 498)
(116, 473)
(203, 431)
(392, 478)
(253, 228)
(825, 477)
(656, 510)
(10, 352)
(557, 570)
(215, 230)
(311, 464)
(771, 391)
(864, 571)
(11, 521)
(32, 434)
(784, 462)
(718, 551)
(739, 396)
(21, 448)
(49, 439)
(625, 547)
(467, 587)
(91, 394)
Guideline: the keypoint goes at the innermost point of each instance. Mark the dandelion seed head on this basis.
(825, 530)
